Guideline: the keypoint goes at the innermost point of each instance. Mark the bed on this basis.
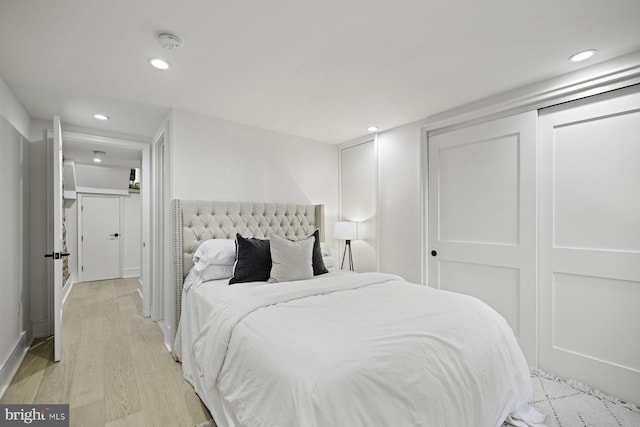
(333, 349)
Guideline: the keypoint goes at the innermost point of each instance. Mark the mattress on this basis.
(350, 349)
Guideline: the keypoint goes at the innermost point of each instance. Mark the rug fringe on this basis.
(585, 389)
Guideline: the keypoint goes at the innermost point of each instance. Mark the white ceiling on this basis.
(82, 152)
(324, 70)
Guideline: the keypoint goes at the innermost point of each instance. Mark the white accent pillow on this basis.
(327, 257)
(291, 260)
(215, 272)
(215, 251)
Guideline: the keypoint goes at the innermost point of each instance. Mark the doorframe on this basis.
(162, 293)
(145, 195)
(80, 216)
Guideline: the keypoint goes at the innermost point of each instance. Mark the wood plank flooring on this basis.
(115, 369)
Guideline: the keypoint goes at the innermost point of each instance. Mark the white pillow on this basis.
(329, 262)
(325, 249)
(327, 257)
(215, 272)
(291, 260)
(215, 251)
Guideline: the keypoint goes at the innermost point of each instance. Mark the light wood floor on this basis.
(115, 369)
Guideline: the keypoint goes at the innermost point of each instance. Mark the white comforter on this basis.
(356, 350)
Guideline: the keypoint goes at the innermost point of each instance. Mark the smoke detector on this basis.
(169, 41)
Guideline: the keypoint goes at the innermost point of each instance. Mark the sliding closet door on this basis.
(482, 227)
(590, 242)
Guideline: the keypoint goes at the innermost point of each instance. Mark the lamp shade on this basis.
(346, 230)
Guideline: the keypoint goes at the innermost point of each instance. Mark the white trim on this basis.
(145, 194)
(146, 186)
(166, 333)
(160, 288)
(121, 232)
(424, 209)
(376, 150)
(96, 190)
(362, 140)
(131, 272)
(12, 364)
(104, 140)
(604, 77)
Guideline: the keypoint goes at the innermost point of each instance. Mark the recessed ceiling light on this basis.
(581, 56)
(160, 64)
(98, 155)
(373, 128)
(100, 117)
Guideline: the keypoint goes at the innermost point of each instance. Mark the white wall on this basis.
(95, 178)
(132, 235)
(15, 316)
(214, 159)
(38, 238)
(219, 160)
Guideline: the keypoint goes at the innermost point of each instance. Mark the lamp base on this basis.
(347, 248)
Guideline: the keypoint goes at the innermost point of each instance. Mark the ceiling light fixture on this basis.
(581, 56)
(373, 128)
(101, 117)
(158, 63)
(98, 155)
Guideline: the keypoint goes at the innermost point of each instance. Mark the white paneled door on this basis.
(590, 242)
(482, 225)
(100, 237)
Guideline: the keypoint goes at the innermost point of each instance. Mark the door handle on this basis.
(434, 253)
(114, 235)
(55, 255)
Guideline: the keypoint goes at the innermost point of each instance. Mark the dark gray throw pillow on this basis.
(317, 262)
(253, 260)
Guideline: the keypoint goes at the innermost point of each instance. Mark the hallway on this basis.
(115, 369)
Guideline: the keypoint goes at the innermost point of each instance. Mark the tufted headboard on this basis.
(195, 221)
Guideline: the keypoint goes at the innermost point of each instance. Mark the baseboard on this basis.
(139, 292)
(131, 272)
(12, 364)
(166, 334)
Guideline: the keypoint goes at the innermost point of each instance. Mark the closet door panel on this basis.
(589, 199)
(479, 199)
(482, 227)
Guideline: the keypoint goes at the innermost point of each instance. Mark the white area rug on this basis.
(571, 404)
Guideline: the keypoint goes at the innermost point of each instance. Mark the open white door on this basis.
(55, 193)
